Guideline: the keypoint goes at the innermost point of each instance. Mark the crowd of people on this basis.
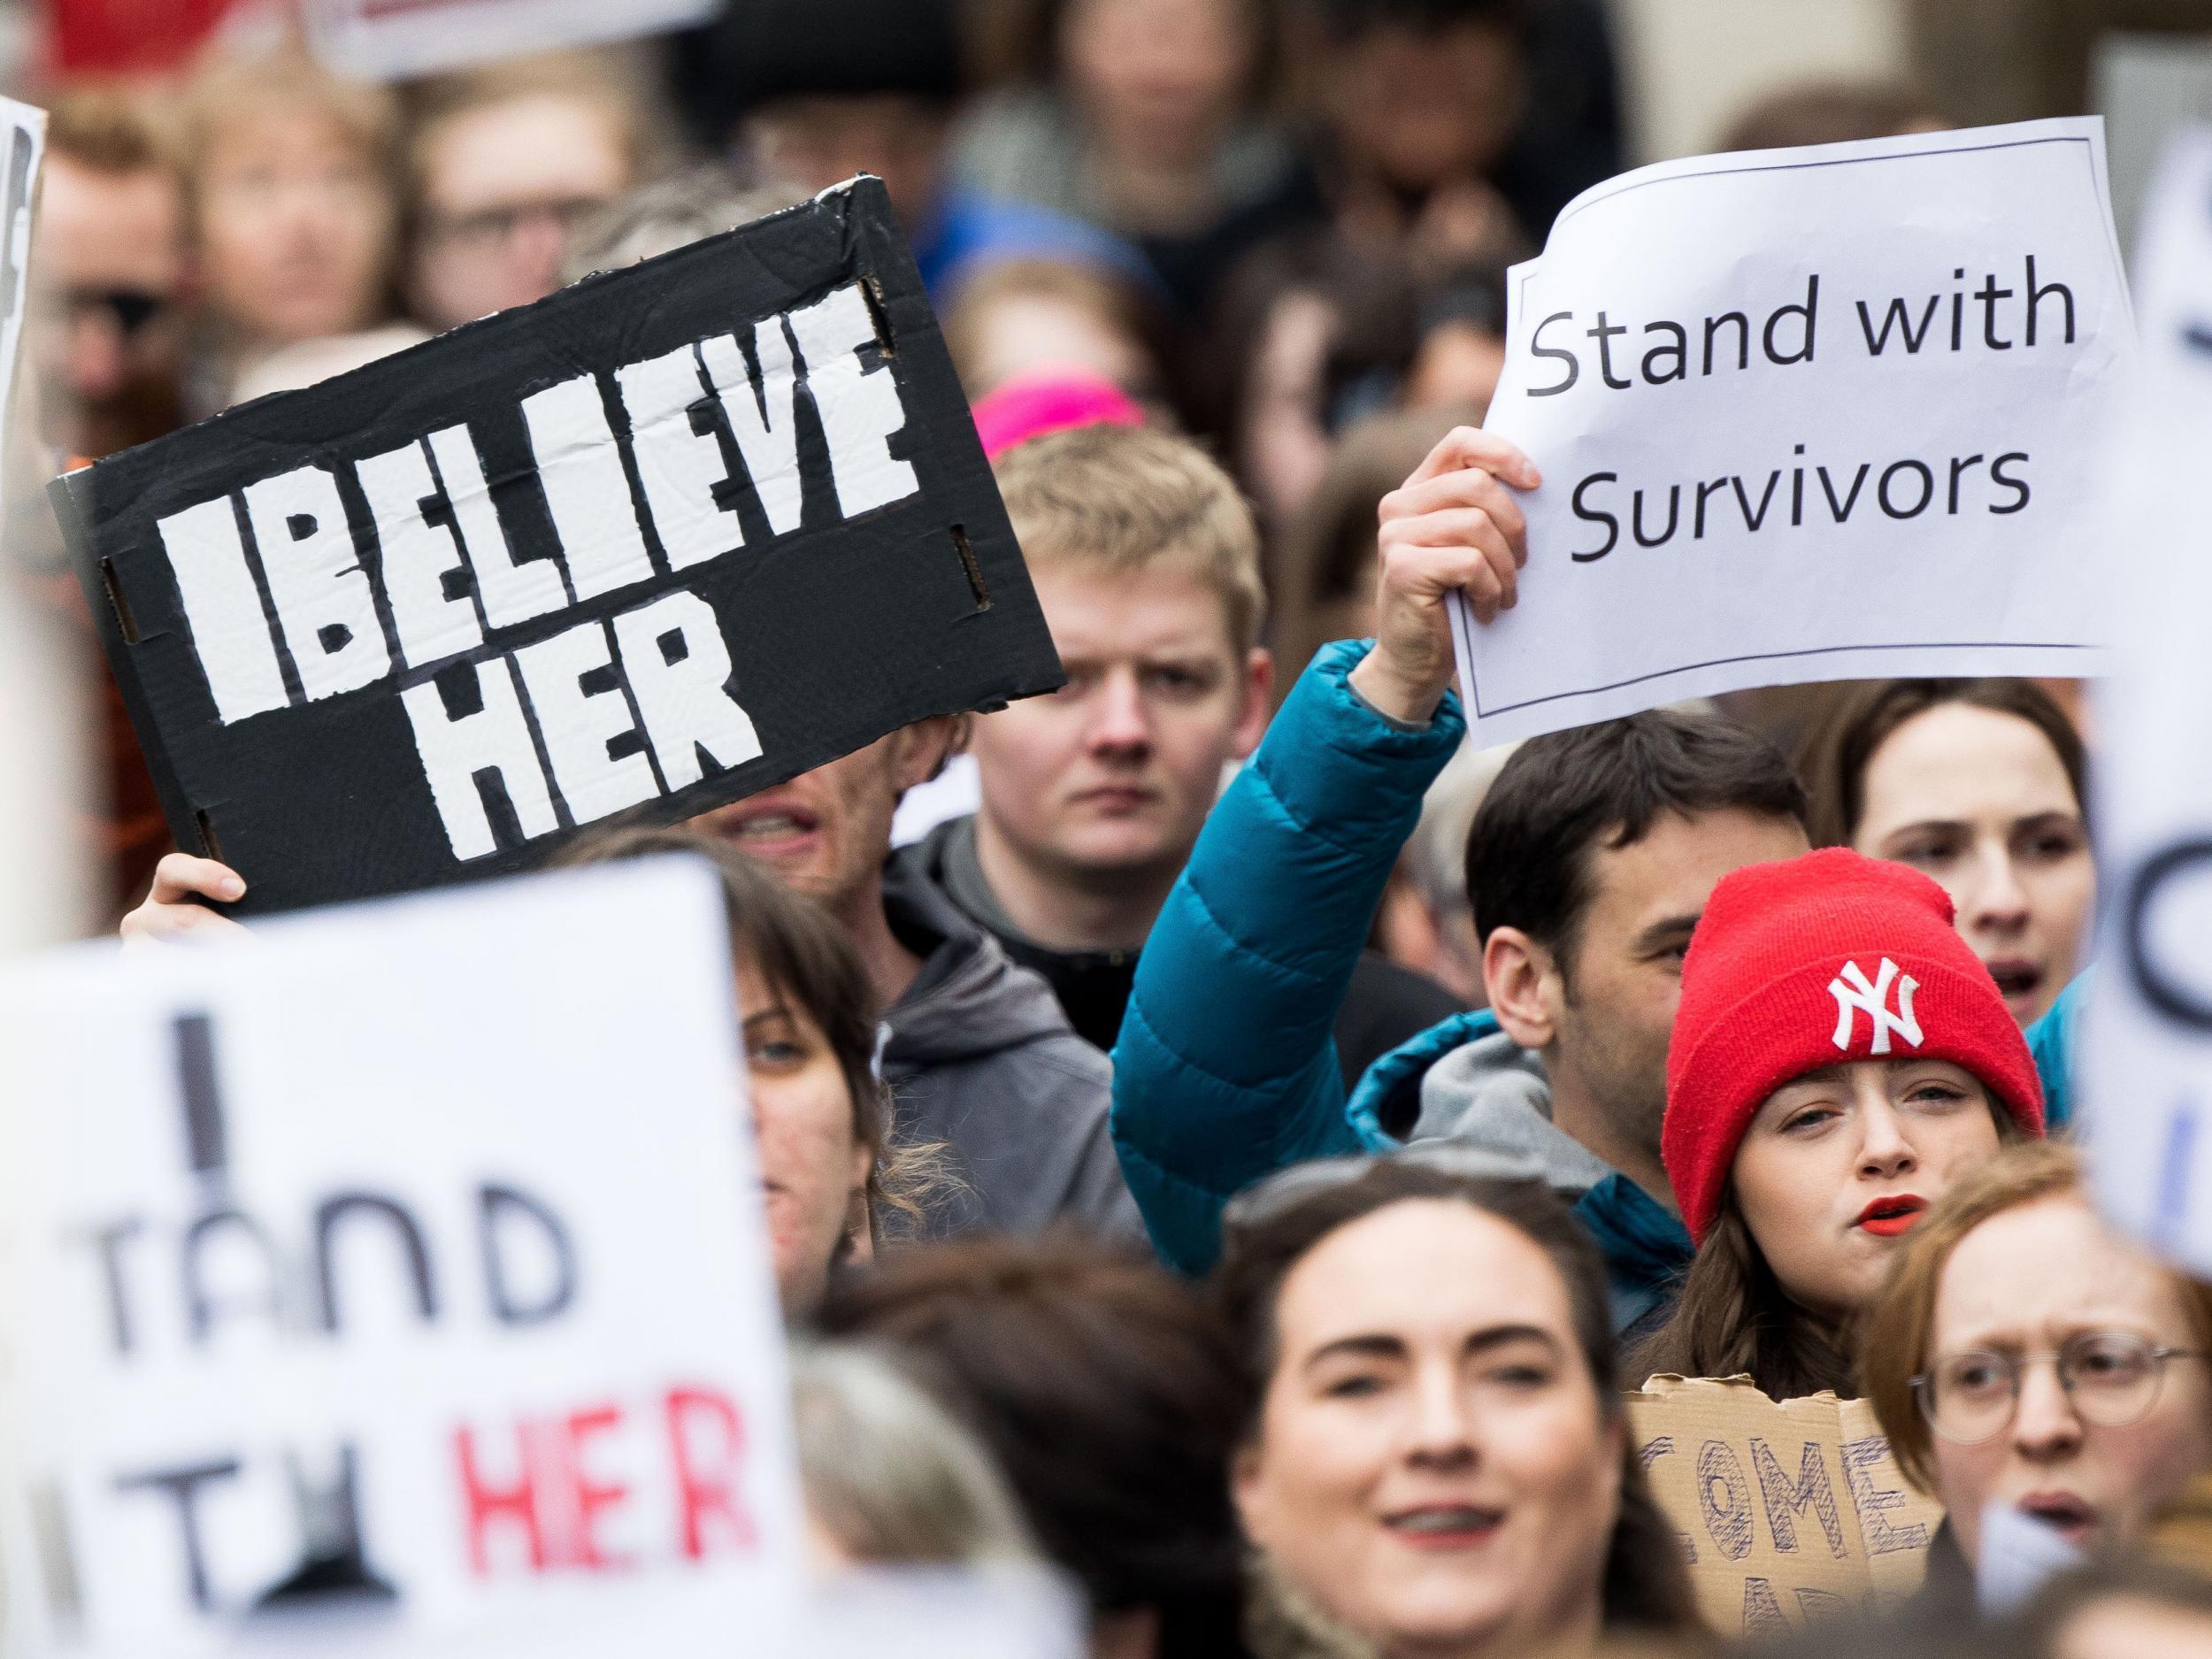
(1221, 1136)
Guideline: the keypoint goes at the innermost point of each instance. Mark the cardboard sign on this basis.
(392, 39)
(397, 1282)
(656, 541)
(2145, 1073)
(1807, 414)
(1790, 1512)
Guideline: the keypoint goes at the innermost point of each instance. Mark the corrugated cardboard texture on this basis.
(1788, 1511)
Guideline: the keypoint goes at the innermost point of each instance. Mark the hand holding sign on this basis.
(170, 911)
(655, 542)
(1808, 415)
(1451, 528)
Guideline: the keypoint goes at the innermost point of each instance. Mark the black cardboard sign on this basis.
(659, 541)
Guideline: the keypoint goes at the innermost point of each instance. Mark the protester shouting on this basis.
(974, 1046)
(1978, 782)
(1589, 861)
(1145, 562)
(1436, 1456)
(1842, 1061)
(2024, 1355)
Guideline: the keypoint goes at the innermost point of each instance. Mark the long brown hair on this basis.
(1833, 757)
(1735, 1319)
(1646, 1585)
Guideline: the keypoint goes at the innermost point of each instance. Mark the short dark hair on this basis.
(1835, 754)
(1646, 1584)
(1106, 1390)
(1559, 797)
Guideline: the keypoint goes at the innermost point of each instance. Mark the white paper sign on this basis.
(2146, 1070)
(413, 1254)
(390, 39)
(1805, 414)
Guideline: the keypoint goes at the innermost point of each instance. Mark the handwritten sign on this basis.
(2145, 1073)
(396, 1280)
(1789, 1512)
(1807, 415)
(658, 540)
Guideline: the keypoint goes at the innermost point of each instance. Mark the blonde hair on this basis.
(1898, 1328)
(889, 1473)
(230, 84)
(1131, 499)
(602, 80)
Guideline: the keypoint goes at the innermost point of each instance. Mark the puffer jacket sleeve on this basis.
(1225, 1069)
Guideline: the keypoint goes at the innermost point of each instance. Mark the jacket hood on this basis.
(970, 1000)
(1474, 1084)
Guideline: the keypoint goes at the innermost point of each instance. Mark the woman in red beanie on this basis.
(1841, 1059)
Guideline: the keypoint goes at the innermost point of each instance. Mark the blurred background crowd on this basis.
(1279, 226)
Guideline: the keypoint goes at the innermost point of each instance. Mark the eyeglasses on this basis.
(490, 227)
(2112, 1378)
(1271, 1196)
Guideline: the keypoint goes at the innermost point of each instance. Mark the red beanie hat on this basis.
(1812, 961)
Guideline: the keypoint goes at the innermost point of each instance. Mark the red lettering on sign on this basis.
(707, 1465)
(516, 1504)
(591, 1496)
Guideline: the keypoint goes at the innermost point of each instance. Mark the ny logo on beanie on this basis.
(1851, 991)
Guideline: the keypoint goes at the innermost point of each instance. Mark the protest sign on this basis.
(1788, 1512)
(2145, 1073)
(396, 1280)
(18, 192)
(392, 39)
(656, 541)
(1807, 415)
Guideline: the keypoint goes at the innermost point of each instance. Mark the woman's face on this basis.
(1979, 800)
(813, 1167)
(1840, 1163)
(2022, 1282)
(295, 228)
(1158, 77)
(1431, 1464)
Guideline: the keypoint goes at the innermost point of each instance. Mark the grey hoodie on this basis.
(1492, 1093)
(980, 1059)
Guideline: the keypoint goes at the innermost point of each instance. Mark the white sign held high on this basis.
(1807, 415)
(395, 1283)
(2145, 1069)
(396, 39)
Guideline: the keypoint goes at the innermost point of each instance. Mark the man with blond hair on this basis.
(1146, 561)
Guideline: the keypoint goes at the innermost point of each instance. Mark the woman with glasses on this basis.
(2023, 1354)
(1435, 1457)
(1840, 1060)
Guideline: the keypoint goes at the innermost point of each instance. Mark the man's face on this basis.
(107, 282)
(826, 832)
(1622, 979)
(810, 144)
(1118, 771)
(503, 186)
